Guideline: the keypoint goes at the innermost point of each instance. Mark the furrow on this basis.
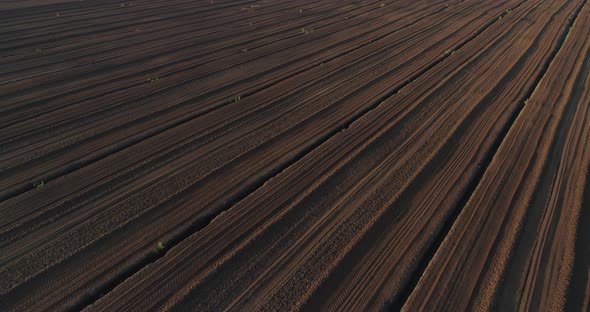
(528, 204)
(285, 241)
(127, 202)
(149, 116)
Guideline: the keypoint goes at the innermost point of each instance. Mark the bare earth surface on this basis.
(415, 155)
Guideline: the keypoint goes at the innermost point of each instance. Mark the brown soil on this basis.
(276, 155)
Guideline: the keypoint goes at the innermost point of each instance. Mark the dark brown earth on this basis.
(414, 155)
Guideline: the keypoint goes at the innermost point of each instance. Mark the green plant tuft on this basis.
(159, 247)
(305, 30)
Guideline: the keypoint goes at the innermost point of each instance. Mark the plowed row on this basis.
(271, 155)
